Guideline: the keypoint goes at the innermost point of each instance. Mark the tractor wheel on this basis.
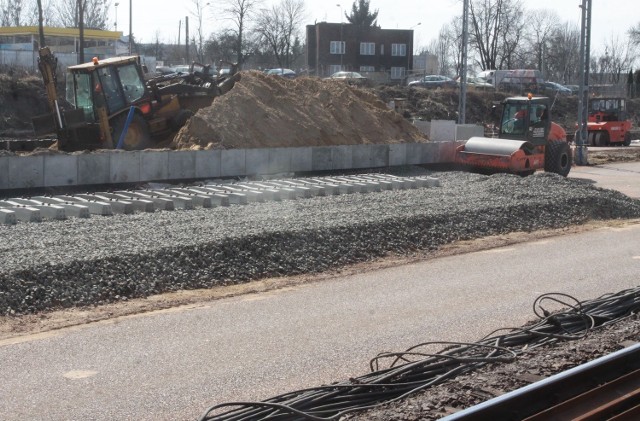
(591, 139)
(602, 139)
(557, 157)
(137, 136)
(627, 139)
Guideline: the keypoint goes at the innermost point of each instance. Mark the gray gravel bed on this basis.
(77, 262)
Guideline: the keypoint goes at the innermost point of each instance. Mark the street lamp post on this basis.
(130, 26)
(342, 49)
(410, 51)
(116, 20)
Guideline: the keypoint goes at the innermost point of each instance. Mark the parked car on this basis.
(553, 88)
(433, 81)
(352, 78)
(477, 83)
(574, 89)
(288, 73)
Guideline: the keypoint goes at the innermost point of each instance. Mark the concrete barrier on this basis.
(103, 167)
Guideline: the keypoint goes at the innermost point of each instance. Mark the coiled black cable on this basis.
(413, 369)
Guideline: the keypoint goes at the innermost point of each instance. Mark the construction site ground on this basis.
(20, 97)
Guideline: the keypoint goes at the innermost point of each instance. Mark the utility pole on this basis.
(581, 153)
(186, 38)
(462, 101)
(130, 26)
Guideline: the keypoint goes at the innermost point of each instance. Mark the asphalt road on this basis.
(172, 365)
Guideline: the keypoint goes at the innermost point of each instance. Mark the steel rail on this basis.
(600, 389)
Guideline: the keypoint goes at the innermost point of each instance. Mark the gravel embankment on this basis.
(77, 262)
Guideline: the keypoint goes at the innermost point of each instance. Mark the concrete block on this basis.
(430, 153)
(397, 154)
(94, 168)
(467, 131)
(232, 162)
(447, 151)
(182, 165)
(442, 130)
(4, 172)
(60, 170)
(154, 165)
(414, 153)
(257, 161)
(301, 159)
(342, 157)
(321, 158)
(208, 163)
(379, 156)
(124, 167)
(279, 160)
(423, 126)
(360, 156)
(26, 172)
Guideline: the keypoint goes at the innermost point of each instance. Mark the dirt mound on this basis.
(20, 99)
(269, 111)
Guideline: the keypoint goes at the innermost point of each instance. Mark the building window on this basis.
(333, 68)
(397, 72)
(337, 47)
(365, 69)
(367, 48)
(398, 49)
(381, 49)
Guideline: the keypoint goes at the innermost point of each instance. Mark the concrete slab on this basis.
(414, 152)
(301, 159)
(208, 163)
(124, 167)
(154, 165)
(232, 162)
(182, 165)
(279, 160)
(379, 156)
(257, 161)
(321, 158)
(360, 156)
(4, 172)
(60, 170)
(467, 131)
(7, 217)
(442, 130)
(94, 168)
(26, 172)
(341, 157)
(430, 153)
(397, 154)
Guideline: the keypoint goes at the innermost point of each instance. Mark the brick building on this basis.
(332, 47)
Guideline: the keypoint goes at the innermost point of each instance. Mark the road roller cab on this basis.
(528, 140)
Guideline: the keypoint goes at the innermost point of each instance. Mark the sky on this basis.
(610, 18)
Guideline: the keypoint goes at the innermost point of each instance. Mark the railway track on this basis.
(205, 195)
(604, 389)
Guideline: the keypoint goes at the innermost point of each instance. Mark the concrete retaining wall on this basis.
(104, 167)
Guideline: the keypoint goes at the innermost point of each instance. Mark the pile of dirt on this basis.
(21, 98)
(267, 111)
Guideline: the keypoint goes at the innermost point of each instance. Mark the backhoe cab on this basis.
(112, 105)
(528, 140)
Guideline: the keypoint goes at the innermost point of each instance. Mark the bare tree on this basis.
(279, 29)
(31, 17)
(496, 31)
(617, 60)
(541, 25)
(12, 11)
(95, 13)
(634, 34)
(240, 12)
(563, 57)
(197, 12)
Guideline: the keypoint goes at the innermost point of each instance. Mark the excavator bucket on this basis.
(517, 156)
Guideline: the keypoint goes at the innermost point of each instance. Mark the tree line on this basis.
(503, 34)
